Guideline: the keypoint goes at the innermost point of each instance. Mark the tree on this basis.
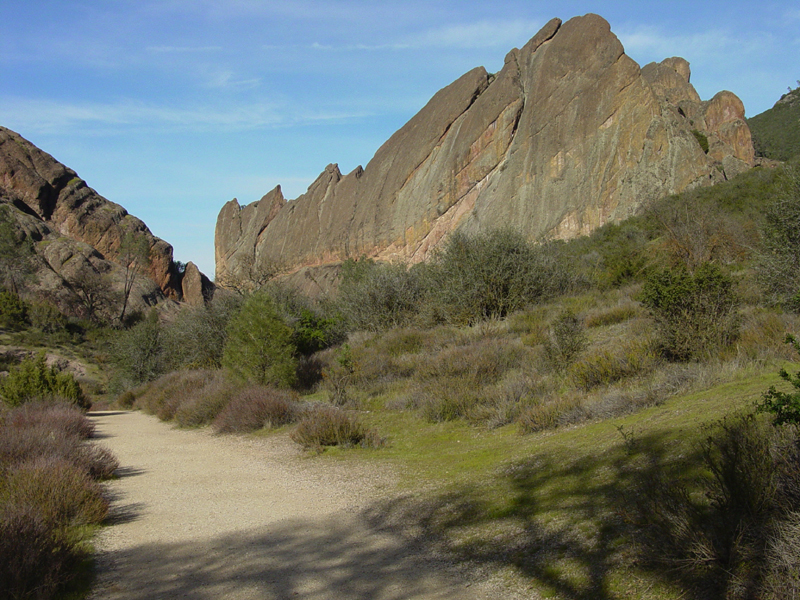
(259, 348)
(250, 274)
(134, 256)
(138, 353)
(94, 293)
(16, 253)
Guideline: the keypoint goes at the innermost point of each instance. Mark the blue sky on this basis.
(173, 107)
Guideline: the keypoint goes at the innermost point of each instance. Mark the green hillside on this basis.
(776, 132)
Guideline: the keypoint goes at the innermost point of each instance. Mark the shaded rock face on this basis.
(569, 135)
(74, 229)
(196, 288)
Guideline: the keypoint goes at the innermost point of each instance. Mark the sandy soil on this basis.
(202, 516)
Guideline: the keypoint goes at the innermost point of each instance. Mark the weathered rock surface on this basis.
(569, 135)
(195, 286)
(73, 228)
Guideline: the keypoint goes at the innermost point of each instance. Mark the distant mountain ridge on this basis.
(73, 229)
(569, 135)
(776, 132)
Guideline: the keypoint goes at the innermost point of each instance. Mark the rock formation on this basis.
(569, 135)
(73, 228)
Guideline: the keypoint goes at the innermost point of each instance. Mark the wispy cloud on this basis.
(481, 34)
(183, 49)
(45, 116)
(228, 80)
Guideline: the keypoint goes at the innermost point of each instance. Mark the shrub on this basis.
(604, 367)
(339, 375)
(201, 405)
(701, 139)
(779, 260)
(56, 416)
(331, 426)
(46, 318)
(716, 534)
(695, 312)
(186, 391)
(546, 414)
(492, 274)
(374, 296)
(12, 311)
(785, 406)
(32, 378)
(255, 408)
(567, 339)
(259, 348)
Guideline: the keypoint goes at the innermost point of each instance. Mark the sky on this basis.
(173, 107)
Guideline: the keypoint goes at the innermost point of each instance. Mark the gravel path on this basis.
(202, 516)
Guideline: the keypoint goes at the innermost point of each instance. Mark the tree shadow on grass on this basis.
(572, 527)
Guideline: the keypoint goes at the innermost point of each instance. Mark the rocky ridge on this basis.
(569, 135)
(73, 229)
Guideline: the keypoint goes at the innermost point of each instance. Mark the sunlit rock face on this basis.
(73, 228)
(569, 135)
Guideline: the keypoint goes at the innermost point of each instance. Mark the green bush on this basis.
(695, 312)
(259, 347)
(701, 139)
(785, 406)
(33, 379)
(12, 311)
(374, 296)
(779, 260)
(492, 274)
(566, 341)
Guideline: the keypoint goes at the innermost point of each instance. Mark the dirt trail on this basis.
(203, 516)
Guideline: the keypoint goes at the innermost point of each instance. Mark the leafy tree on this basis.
(695, 312)
(259, 348)
(33, 379)
(138, 353)
(784, 405)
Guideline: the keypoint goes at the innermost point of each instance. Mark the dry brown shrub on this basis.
(61, 416)
(200, 405)
(331, 426)
(547, 413)
(255, 408)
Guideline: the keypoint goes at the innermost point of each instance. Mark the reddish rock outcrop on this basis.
(569, 135)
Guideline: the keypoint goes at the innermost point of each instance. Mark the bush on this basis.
(32, 379)
(375, 296)
(779, 260)
(138, 354)
(566, 341)
(12, 311)
(604, 367)
(255, 408)
(785, 406)
(201, 405)
(717, 534)
(490, 275)
(48, 496)
(259, 348)
(695, 312)
(331, 426)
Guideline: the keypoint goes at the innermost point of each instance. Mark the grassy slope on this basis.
(776, 132)
(550, 510)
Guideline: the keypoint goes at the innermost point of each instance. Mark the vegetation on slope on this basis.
(776, 132)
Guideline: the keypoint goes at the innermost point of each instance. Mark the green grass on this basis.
(547, 509)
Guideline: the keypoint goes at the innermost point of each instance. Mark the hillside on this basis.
(776, 132)
(62, 236)
(569, 135)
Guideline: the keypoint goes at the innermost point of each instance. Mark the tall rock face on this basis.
(72, 226)
(569, 135)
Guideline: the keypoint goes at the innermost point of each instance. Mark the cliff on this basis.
(569, 135)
